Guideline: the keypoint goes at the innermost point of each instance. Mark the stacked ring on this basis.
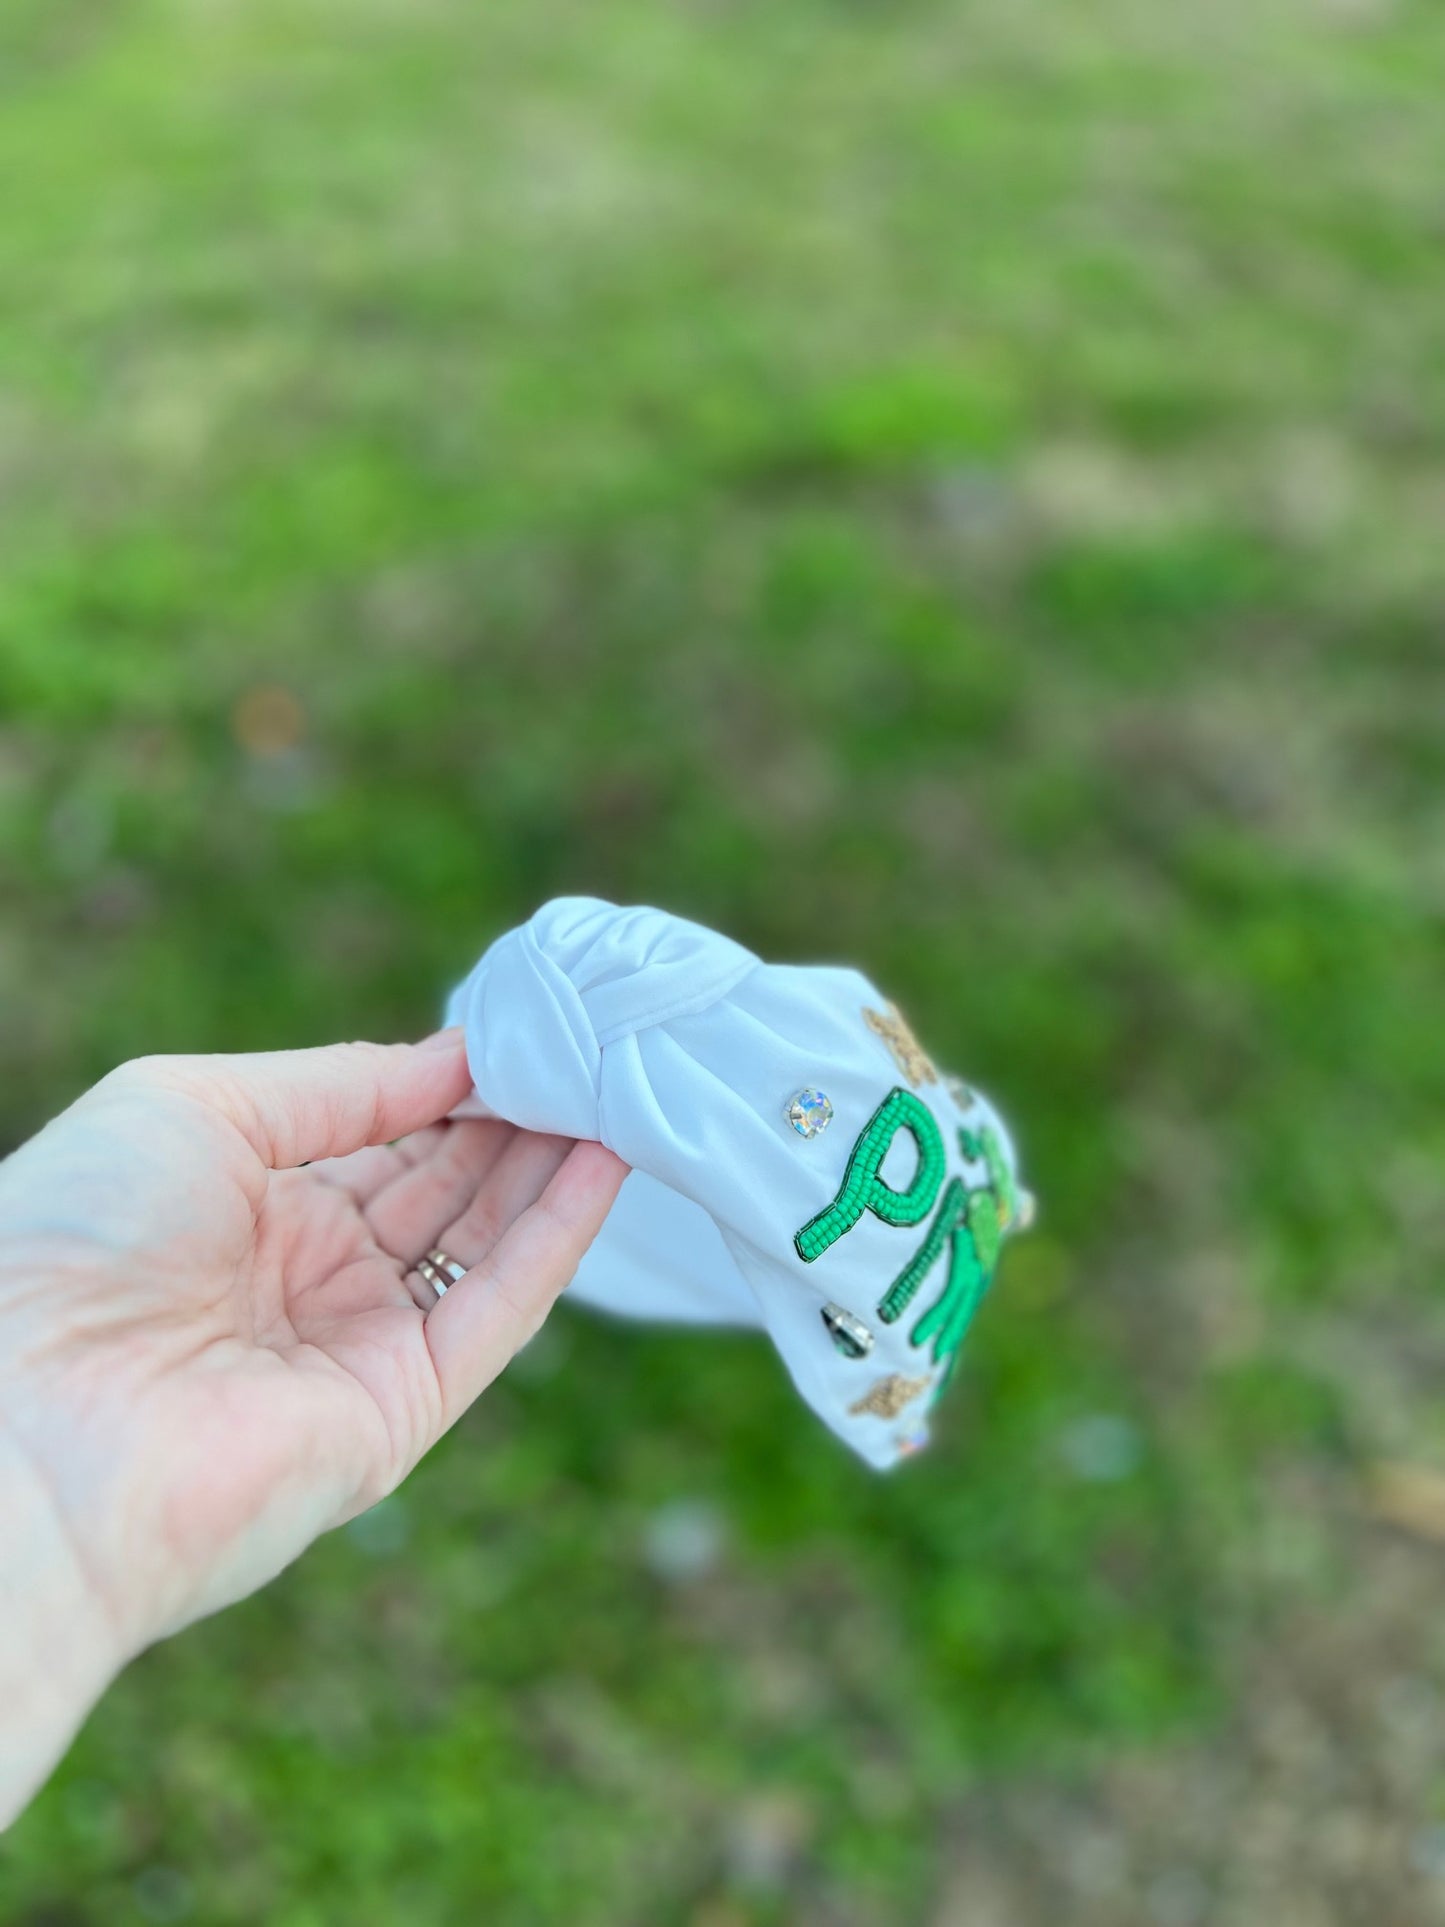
(440, 1270)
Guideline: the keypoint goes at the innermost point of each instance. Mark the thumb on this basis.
(295, 1106)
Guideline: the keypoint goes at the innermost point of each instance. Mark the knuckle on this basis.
(481, 1229)
(513, 1298)
(367, 1049)
(559, 1220)
(135, 1070)
(149, 1073)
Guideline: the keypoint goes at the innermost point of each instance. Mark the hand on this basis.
(208, 1355)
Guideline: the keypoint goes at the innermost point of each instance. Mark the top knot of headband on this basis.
(798, 1162)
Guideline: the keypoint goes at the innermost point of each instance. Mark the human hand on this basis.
(209, 1356)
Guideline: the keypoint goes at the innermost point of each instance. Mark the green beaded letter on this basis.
(985, 1144)
(863, 1188)
(967, 1222)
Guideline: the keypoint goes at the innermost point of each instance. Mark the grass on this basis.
(948, 485)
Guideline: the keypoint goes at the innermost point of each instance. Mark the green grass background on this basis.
(955, 485)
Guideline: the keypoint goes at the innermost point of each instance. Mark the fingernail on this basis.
(447, 1039)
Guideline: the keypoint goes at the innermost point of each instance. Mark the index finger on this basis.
(299, 1106)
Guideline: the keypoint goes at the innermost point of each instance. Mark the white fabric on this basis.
(679, 1050)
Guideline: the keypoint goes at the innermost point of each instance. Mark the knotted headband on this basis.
(798, 1162)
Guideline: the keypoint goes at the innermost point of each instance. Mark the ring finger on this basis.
(517, 1179)
(409, 1214)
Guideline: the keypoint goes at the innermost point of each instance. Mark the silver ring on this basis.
(440, 1270)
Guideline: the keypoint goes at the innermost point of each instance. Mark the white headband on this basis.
(798, 1162)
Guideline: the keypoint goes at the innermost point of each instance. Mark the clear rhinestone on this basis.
(810, 1112)
(849, 1334)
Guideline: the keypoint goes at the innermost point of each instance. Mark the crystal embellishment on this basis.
(810, 1112)
(851, 1336)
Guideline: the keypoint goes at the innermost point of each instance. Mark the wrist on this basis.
(60, 1649)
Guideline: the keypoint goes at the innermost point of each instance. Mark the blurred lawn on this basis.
(955, 485)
